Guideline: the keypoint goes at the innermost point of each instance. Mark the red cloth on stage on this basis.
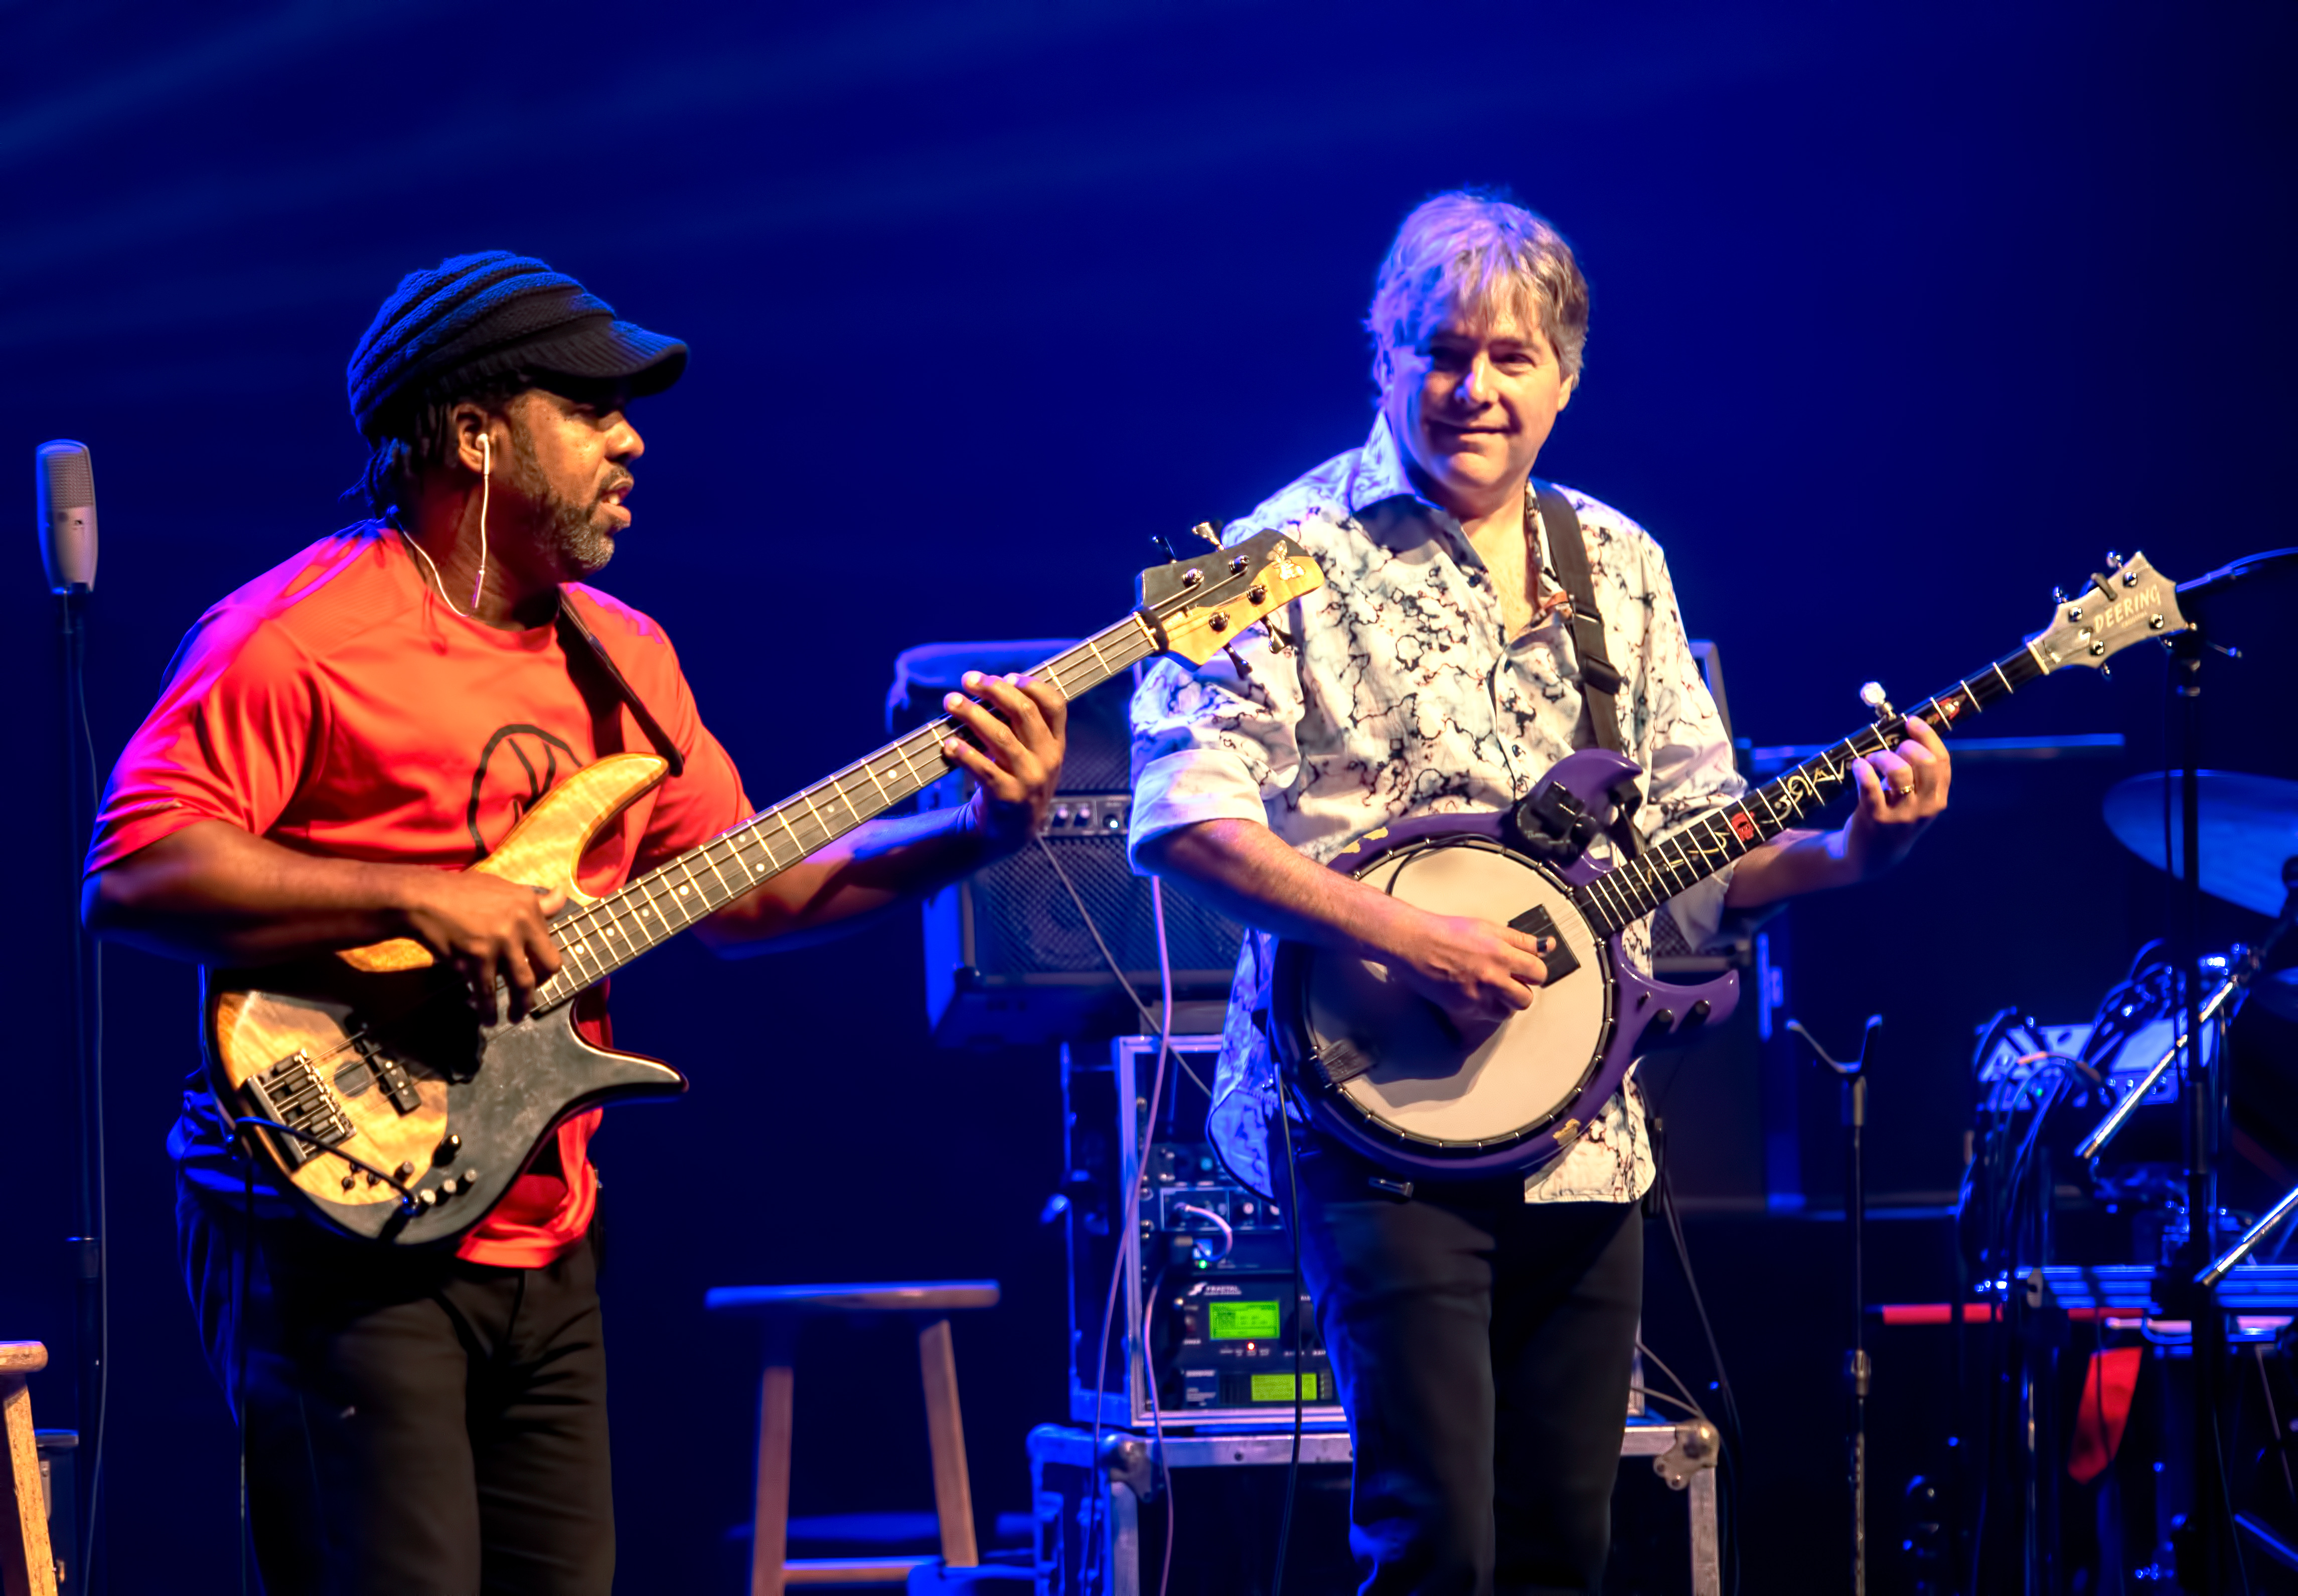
(2108, 1386)
(336, 706)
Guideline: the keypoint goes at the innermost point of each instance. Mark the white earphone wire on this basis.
(486, 477)
(487, 480)
(436, 580)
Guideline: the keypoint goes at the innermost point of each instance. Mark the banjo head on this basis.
(1421, 1081)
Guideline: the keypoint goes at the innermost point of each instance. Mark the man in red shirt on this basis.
(338, 742)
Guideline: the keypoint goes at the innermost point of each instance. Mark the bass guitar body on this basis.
(393, 1114)
(404, 1118)
(1386, 1074)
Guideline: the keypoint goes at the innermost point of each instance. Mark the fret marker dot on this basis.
(682, 892)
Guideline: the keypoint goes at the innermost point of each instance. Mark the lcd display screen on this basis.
(1279, 1388)
(1242, 1321)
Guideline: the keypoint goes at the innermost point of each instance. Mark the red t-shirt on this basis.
(336, 706)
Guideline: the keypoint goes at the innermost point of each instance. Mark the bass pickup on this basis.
(380, 1070)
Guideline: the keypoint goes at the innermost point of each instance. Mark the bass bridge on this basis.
(297, 1093)
(292, 1094)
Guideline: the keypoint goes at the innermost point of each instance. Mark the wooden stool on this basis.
(27, 1565)
(783, 1307)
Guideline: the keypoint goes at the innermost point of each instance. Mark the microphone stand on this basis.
(85, 1249)
(1858, 1371)
(2187, 1287)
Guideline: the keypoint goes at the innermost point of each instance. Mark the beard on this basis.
(574, 537)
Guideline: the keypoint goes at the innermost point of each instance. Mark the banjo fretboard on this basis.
(1627, 893)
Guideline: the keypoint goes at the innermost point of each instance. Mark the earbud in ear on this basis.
(486, 455)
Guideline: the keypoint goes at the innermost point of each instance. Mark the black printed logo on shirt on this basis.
(528, 756)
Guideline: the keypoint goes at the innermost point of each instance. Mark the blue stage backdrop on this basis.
(1900, 319)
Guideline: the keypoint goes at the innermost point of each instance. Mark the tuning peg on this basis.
(2058, 595)
(2113, 561)
(1879, 702)
(1165, 547)
(1210, 530)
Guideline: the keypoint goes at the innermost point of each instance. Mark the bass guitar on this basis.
(1385, 1072)
(384, 1104)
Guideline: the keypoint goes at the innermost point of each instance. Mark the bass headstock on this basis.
(1200, 605)
(2129, 603)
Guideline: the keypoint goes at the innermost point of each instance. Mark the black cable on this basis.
(1292, 1230)
(1129, 1204)
(1650, 1395)
(1675, 1379)
(2226, 1495)
(407, 1201)
(1148, 1020)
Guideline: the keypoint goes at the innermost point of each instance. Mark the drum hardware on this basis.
(2189, 1289)
(2224, 1263)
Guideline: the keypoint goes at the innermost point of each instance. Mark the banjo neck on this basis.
(1633, 889)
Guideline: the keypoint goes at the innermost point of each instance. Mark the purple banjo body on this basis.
(1384, 1072)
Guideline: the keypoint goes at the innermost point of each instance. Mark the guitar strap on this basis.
(574, 635)
(1600, 680)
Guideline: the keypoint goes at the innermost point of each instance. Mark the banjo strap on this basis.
(1600, 680)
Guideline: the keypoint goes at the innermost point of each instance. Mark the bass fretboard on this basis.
(596, 941)
(1627, 893)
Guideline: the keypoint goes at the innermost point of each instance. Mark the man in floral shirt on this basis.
(1482, 1333)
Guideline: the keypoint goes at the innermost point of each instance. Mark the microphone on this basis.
(67, 489)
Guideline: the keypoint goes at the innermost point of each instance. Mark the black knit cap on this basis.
(490, 315)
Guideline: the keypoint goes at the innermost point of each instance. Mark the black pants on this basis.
(1482, 1346)
(414, 1424)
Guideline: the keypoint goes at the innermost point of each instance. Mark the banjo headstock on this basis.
(2128, 603)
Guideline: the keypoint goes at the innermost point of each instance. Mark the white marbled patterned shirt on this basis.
(1405, 698)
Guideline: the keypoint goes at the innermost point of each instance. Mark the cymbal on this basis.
(2249, 827)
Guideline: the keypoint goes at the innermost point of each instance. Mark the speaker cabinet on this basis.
(1009, 959)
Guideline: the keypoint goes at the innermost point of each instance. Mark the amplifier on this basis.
(1008, 960)
(1206, 1312)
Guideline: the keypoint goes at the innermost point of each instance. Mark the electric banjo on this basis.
(393, 1114)
(1385, 1072)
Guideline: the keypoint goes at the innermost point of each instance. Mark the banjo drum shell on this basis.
(1429, 1086)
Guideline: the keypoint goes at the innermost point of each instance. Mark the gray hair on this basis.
(1470, 252)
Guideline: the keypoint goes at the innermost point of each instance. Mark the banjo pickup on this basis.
(292, 1094)
(1537, 922)
(1338, 1064)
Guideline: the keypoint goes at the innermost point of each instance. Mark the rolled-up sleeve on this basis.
(1212, 742)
